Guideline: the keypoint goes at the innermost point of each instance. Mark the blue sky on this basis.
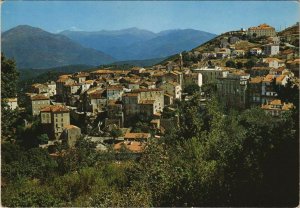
(210, 16)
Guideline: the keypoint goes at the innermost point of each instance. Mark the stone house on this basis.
(207, 75)
(273, 62)
(232, 89)
(70, 135)
(52, 88)
(38, 102)
(11, 102)
(255, 91)
(172, 88)
(276, 107)
(271, 49)
(54, 119)
(114, 92)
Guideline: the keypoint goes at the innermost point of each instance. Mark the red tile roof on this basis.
(55, 108)
(39, 97)
(132, 146)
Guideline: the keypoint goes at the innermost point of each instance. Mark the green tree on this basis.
(251, 63)
(9, 77)
(230, 63)
(191, 88)
(115, 133)
(43, 139)
(239, 65)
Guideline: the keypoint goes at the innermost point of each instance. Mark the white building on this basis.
(271, 49)
(209, 75)
(114, 92)
(172, 88)
(52, 88)
(12, 103)
(255, 51)
(273, 62)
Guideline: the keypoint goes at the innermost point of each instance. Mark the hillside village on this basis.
(129, 108)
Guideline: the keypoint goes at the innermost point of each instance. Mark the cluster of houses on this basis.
(229, 45)
(123, 95)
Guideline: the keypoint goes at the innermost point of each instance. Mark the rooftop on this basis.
(55, 108)
(71, 127)
(262, 27)
(147, 102)
(10, 99)
(39, 97)
(137, 135)
(256, 80)
(269, 78)
(132, 146)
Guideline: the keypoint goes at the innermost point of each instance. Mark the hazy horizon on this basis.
(155, 16)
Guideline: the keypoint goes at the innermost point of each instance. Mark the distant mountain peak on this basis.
(33, 47)
(25, 28)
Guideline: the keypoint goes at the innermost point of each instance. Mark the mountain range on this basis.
(33, 47)
(137, 44)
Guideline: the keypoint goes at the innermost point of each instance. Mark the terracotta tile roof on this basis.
(55, 108)
(280, 69)
(260, 68)
(287, 106)
(89, 81)
(296, 61)
(280, 78)
(288, 51)
(117, 87)
(137, 135)
(147, 90)
(276, 102)
(71, 127)
(65, 76)
(130, 94)
(256, 80)
(158, 74)
(277, 105)
(132, 146)
(240, 73)
(63, 79)
(82, 74)
(268, 60)
(97, 94)
(39, 97)
(262, 27)
(109, 71)
(268, 78)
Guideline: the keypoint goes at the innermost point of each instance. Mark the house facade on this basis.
(54, 119)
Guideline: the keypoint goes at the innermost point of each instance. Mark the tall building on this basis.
(38, 102)
(207, 75)
(143, 102)
(232, 89)
(54, 119)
